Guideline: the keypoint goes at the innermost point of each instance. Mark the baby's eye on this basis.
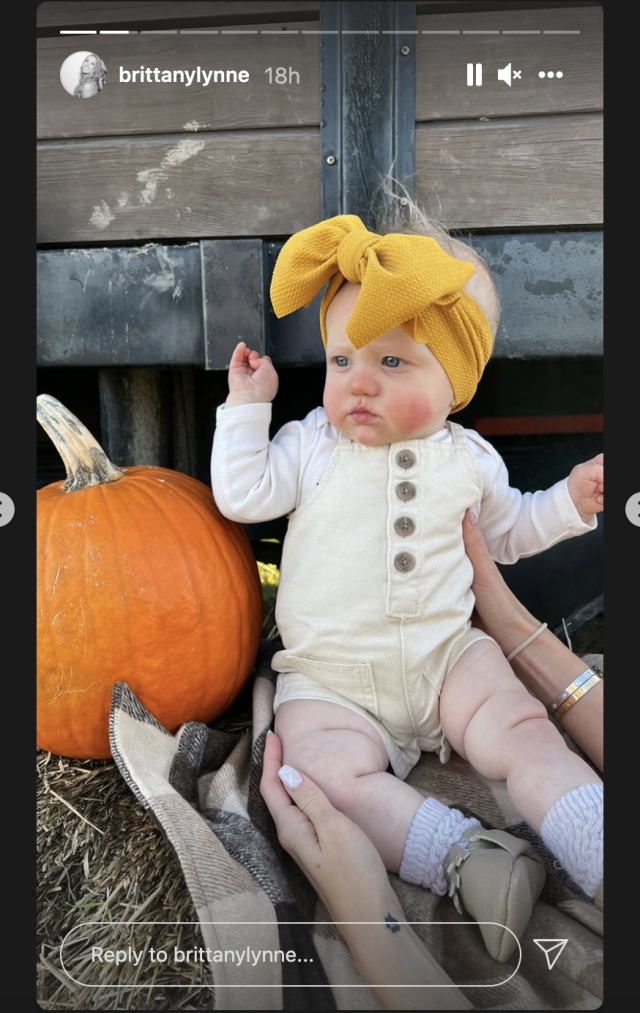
(391, 360)
(341, 360)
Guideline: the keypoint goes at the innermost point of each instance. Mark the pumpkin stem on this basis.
(84, 459)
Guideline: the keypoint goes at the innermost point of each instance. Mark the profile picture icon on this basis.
(83, 75)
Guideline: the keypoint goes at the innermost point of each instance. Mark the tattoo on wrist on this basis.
(392, 923)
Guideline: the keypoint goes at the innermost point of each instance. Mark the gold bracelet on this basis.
(594, 677)
(579, 693)
(571, 688)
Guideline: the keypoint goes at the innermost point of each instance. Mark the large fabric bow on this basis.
(406, 281)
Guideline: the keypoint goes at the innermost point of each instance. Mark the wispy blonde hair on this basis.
(394, 209)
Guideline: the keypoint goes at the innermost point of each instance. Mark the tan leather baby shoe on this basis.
(495, 877)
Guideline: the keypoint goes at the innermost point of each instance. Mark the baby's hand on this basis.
(252, 378)
(586, 487)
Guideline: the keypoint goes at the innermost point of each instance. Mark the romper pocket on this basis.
(354, 682)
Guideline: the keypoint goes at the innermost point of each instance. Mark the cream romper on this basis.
(375, 597)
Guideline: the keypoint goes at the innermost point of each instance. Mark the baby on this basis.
(381, 661)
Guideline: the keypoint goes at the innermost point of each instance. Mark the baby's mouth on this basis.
(361, 414)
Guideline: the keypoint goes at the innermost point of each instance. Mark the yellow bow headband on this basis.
(406, 281)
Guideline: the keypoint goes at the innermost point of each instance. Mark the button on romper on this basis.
(375, 597)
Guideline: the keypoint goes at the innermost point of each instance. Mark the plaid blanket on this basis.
(202, 786)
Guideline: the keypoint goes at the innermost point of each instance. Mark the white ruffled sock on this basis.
(572, 831)
(435, 829)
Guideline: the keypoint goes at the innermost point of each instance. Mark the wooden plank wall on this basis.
(524, 155)
(159, 161)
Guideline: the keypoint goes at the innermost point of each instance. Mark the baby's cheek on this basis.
(412, 413)
(332, 402)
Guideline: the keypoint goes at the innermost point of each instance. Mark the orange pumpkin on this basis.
(140, 580)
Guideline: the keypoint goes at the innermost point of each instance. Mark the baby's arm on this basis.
(252, 378)
(516, 525)
(253, 479)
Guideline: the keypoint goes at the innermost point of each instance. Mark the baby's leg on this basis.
(505, 733)
(345, 756)
(424, 841)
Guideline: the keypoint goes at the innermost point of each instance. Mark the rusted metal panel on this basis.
(551, 291)
(138, 306)
(235, 298)
(190, 305)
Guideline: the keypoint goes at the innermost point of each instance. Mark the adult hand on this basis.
(347, 873)
(546, 666)
(337, 857)
(252, 378)
(498, 612)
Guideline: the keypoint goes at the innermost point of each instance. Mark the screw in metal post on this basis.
(405, 51)
(331, 159)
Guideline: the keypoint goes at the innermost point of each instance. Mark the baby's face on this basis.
(391, 390)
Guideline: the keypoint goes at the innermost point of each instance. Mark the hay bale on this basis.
(101, 857)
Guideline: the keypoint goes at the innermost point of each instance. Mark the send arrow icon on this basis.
(549, 948)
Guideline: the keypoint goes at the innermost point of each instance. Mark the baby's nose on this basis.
(363, 381)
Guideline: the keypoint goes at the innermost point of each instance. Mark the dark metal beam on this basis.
(148, 416)
(367, 111)
(235, 297)
(188, 306)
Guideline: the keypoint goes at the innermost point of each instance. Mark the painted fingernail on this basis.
(473, 514)
(290, 777)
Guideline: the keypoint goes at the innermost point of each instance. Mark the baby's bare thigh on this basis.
(329, 743)
(482, 689)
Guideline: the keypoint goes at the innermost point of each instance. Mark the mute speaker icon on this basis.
(505, 74)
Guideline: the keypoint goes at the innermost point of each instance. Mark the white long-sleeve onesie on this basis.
(366, 607)
(256, 480)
